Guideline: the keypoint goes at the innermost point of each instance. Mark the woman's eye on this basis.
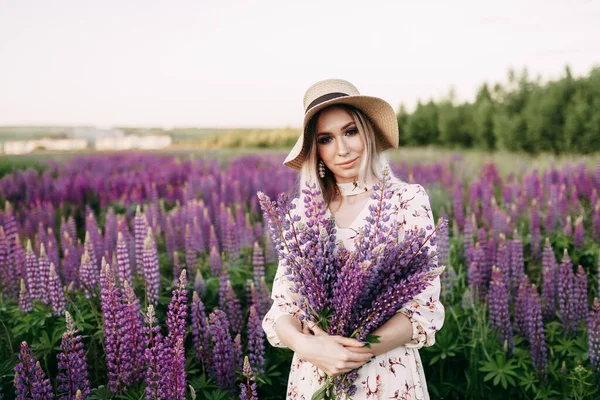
(352, 131)
(324, 139)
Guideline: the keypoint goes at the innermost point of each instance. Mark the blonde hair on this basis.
(371, 167)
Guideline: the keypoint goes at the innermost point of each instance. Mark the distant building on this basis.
(133, 142)
(27, 146)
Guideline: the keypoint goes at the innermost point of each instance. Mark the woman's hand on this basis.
(335, 355)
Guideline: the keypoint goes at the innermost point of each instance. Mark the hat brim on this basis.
(379, 112)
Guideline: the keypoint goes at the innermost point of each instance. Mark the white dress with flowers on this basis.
(397, 374)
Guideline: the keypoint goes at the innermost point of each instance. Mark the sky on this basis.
(248, 63)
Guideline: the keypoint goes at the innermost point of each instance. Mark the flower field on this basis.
(147, 276)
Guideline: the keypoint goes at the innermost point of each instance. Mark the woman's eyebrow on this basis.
(342, 128)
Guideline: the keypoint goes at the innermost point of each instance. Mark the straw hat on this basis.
(338, 91)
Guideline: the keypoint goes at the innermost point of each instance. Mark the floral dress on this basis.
(397, 374)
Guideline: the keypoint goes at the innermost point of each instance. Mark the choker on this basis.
(352, 188)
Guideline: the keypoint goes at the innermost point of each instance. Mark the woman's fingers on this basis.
(359, 349)
(348, 342)
(317, 331)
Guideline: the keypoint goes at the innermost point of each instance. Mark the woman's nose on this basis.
(342, 147)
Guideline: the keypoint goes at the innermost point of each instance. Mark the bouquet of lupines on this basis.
(349, 293)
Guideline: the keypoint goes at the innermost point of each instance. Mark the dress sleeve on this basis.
(425, 311)
(284, 302)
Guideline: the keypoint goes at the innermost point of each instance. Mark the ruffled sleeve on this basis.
(425, 311)
(283, 303)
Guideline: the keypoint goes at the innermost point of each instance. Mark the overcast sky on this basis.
(248, 63)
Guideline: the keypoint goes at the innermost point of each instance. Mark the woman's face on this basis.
(339, 144)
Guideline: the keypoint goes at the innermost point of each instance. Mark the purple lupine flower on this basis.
(580, 295)
(549, 276)
(55, 291)
(172, 358)
(536, 335)
(151, 268)
(223, 357)
(30, 380)
(52, 248)
(213, 241)
(134, 330)
(256, 339)
(503, 259)
(522, 304)
(237, 352)
(579, 233)
(13, 245)
(551, 217)
(229, 302)
(118, 348)
(596, 223)
(72, 364)
(140, 227)
(24, 298)
(200, 332)
(215, 262)
(459, 215)
(499, 309)
(152, 353)
(593, 325)
(5, 268)
(87, 275)
(93, 260)
(177, 379)
(170, 239)
(566, 294)
(476, 272)
(517, 261)
(43, 276)
(110, 232)
(190, 252)
(176, 266)
(258, 263)
(443, 245)
(177, 313)
(31, 272)
(568, 228)
(123, 266)
(199, 285)
(248, 389)
(468, 240)
(96, 240)
(270, 253)
(534, 228)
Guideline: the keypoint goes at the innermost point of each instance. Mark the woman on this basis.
(341, 149)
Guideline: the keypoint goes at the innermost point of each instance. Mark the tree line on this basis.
(560, 116)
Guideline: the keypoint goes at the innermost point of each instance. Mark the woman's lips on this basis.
(348, 163)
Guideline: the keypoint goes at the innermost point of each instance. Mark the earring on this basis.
(321, 169)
